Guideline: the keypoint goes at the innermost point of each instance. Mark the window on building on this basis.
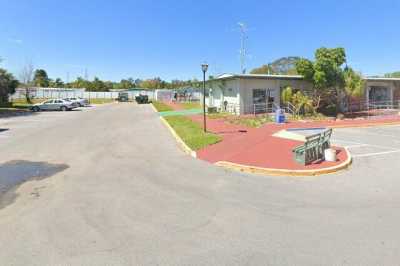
(259, 96)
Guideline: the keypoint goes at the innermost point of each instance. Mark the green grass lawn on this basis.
(16, 105)
(21, 105)
(23, 102)
(162, 107)
(220, 115)
(191, 105)
(100, 100)
(191, 132)
(253, 121)
(248, 121)
(315, 117)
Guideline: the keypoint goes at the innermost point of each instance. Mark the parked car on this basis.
(142, 99)
(79, 101)
(54, 105)
(123, 97)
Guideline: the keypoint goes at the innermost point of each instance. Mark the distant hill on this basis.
(282, 66)
(393, 75)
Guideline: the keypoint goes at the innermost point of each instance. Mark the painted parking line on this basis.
(345, 142)
(359, 144)
(377, 150)
(356, 146)
(375, 154)
(4, 136)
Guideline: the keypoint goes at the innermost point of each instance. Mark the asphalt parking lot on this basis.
(120, 192)
(370, 142)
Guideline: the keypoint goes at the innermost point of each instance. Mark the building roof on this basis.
(257, 76)
(381, 79)
(286, 77)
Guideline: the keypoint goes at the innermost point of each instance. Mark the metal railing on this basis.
(290, 108)
(232, 108)
(355, 106)
(264, 108)
(372, 109)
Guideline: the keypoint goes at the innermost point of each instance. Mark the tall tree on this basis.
(41, 79)
(354, 85)
(25, 78)
(8, 84)
(392, 75)
(326, 73)
(57, 83)
(281, 66)
(97, 85)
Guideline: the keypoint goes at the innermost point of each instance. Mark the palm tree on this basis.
(353, 85)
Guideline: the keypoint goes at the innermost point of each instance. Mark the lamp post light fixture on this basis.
(204, 68)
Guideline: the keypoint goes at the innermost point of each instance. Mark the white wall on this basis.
(223, 91)
(273, 85)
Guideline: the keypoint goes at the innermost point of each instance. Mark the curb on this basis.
(154, 109)
(286, 172)
(178, 139)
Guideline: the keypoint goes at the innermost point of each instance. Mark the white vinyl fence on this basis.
(54, 94)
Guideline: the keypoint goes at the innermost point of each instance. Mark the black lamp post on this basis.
(204, 67)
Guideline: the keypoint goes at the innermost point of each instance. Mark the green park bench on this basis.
(313, 148)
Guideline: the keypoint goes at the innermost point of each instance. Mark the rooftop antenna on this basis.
(243, 52)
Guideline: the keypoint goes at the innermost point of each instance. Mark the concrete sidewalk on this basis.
(257, 147)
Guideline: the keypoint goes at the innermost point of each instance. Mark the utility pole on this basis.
(243, 52)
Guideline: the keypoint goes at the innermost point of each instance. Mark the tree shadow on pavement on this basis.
(14, 173)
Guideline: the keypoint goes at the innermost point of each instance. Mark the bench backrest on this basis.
(326, 136)
(312, 140)
(321, 138)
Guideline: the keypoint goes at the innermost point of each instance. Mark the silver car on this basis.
(54, 105)
(81, 102)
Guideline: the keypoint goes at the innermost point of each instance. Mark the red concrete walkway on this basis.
(257, 147)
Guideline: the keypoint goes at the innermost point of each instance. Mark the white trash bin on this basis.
(330, 155)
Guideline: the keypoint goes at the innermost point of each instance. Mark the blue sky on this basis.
(142, 39)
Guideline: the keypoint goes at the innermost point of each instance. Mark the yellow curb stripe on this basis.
(181, 143)
(178, 139)
(286, 172)
(154, 108)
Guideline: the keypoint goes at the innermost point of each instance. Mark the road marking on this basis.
(364, 132)
(350, 142)
(374, 154)
(353, 143)
(356, 146)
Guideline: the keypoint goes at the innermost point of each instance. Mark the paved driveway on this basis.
(128, 196)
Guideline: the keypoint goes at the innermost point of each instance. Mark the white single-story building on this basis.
(250, 93)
